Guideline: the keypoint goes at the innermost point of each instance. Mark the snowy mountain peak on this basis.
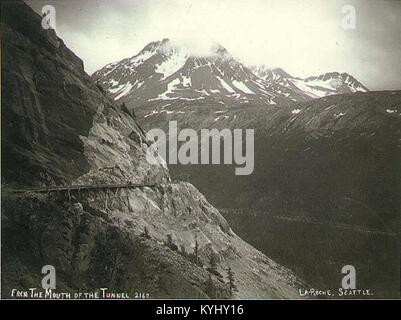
(267, 73)
(171, 47)
(315, 86)
(218, 49)
(166, 70)
(155, 45)
(335, 81)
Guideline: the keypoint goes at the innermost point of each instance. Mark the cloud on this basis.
(303, 37)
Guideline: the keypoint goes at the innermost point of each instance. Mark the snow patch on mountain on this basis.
(125, 90)
(310, 90)
(186, 81)
(140, 58)
(171, 65)
(225, 85)
(242, 87)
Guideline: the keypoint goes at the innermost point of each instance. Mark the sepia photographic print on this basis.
(199, 149)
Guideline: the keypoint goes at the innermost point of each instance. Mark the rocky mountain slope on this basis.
(165, 71)
(326, 185)
(59, 128)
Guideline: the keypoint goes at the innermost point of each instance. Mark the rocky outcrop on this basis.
(60, 128)
(49, 101)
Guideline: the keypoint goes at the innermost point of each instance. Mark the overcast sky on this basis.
(303, 37)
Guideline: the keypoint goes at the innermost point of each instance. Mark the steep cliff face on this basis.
(48, 101)
(59, 128)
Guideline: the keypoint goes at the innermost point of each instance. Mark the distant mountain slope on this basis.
(326, 187)
(314, 86)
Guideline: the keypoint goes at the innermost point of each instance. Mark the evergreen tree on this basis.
(196, 250)
(170, 243)
(231, 283)
(169, 240)
(210, 289)
(213, 265)
(146, 233)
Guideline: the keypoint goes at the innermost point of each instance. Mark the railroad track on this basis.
(84, 187)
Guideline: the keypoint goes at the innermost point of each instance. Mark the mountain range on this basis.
(164, 71)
